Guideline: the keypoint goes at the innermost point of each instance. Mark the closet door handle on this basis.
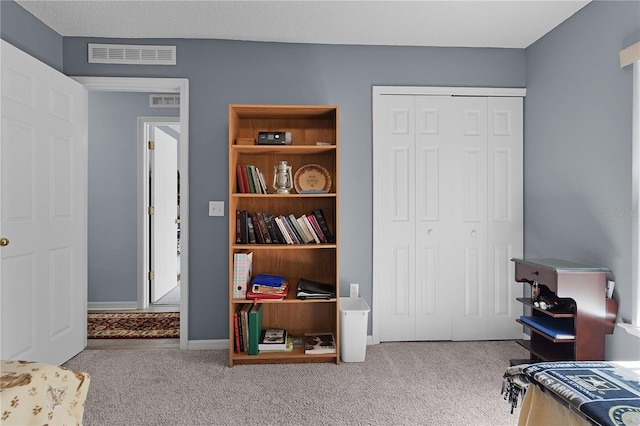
(430, 232)
(473, 233)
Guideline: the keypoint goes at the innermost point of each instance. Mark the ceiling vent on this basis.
(164, 101)
(131, 54)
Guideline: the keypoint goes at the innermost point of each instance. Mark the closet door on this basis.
(448, 216)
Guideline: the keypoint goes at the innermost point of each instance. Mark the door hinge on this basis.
(151, 144)
(151, 210)
(151, 275)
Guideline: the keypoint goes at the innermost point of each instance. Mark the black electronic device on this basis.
(272, 138)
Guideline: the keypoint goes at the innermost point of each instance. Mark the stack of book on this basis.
(266, 286)
(263, 228)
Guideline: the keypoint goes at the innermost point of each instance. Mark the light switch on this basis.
(216, 208)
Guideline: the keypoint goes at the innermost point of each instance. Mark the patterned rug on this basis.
(133, 325)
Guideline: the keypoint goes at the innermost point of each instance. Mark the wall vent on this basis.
(164, 101)
(131, 54)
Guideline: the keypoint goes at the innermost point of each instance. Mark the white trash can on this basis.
(354, 315)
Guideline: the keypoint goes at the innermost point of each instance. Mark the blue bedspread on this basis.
(605, 393)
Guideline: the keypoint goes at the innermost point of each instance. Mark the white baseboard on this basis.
(112, 306)
(208, 344)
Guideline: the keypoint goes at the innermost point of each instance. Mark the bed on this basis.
(575, 393)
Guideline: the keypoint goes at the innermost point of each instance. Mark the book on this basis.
(256, 228)
(250, 231)
(283, 230)
(319, 215)
(263, 228)
(319, 343)
(273, 339)
(239, 177)
(244, 317)
(255, 328)
(268, 279)
(252, 188)
(316, 228)
(236, 329)
(242, 265)
(298, 229)
(245, 179)
(270, 228)
(305, 229)
(558, 328)
(288, 347)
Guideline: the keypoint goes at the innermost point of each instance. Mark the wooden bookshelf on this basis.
(308, 124)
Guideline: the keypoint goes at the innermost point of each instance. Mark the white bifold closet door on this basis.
(449, 173)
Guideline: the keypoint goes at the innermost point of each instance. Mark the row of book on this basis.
(250, 337)
(247, 326)
(250, 180)
(263, 228)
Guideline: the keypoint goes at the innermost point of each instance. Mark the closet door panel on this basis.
(395, 236)
(469, 229)
(433, 209)
(505, 215)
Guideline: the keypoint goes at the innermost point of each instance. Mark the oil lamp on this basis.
(282, 180)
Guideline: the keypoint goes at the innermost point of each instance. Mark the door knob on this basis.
(4, 242)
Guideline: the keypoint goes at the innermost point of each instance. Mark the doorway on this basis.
(157, 85)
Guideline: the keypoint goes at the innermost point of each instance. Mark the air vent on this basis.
(164, 101)
(131, 54)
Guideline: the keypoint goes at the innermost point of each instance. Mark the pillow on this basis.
(37, 393)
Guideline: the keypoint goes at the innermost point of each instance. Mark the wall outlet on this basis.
(354, 290)
(216, 208)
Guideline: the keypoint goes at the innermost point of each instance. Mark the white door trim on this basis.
(378, 91)
(160, 85)
(446, 91)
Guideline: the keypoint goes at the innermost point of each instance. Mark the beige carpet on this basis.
(434, 383)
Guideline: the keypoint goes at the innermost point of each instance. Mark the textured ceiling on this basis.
(478, 23)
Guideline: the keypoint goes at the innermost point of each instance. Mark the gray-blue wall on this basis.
(577, 154)
(21, 29)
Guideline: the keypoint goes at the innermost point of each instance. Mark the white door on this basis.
(43, 211)
(447, 216)
(164, 199)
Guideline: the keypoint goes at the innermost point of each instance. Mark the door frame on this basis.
(159, 85)
(378, 161)
(144, 294)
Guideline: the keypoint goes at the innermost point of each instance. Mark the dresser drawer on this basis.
(531, 272)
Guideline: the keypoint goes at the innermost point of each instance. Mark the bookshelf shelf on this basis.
(308, 124)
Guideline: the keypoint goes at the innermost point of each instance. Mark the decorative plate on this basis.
(312, 179)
